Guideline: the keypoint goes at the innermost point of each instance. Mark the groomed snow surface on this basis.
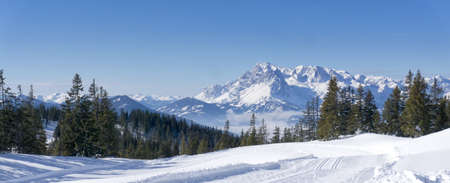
(362, 158)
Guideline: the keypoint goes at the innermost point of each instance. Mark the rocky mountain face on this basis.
(268, 88)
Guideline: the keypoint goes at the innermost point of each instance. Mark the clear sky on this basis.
(168, 47)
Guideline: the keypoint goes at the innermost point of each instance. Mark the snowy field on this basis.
(363, 158)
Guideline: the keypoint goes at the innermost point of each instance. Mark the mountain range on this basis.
(277, 94)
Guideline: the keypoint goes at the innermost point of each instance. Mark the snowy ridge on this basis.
(362, 158)
(154, 101)
(125, 103)
(196, 110)
(55, 98)
(289, 88)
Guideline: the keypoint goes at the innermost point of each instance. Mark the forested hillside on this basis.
(88, 126)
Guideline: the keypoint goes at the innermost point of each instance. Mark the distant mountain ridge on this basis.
(265, 89)
(154, 101)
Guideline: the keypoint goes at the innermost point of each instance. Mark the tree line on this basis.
(304, 130)
(411, 111)
(21, 128)
(88, 126)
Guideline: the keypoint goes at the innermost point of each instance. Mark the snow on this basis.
(255, 94)
(362, 158)
(49, 129)
(56, 98)
(154, 101)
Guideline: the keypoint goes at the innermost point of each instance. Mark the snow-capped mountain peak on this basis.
(56, 98)
(154, 101)
(267, 89)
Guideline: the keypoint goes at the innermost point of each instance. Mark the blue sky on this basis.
(178, 47)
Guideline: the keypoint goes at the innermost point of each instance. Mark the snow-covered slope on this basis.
(154, 101)
(55, 98)
(363, 158)
(443, 82)
(37, 101)
(196, 110)
(125, 103)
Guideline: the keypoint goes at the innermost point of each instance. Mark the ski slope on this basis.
(362, 158)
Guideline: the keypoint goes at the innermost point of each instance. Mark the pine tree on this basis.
(39, 145)
(33, 139)
(224, 141)
(406, 87)
(68, 141)
(3, 125)
(183, 148)
(244, 137)
(203, 146)
(448, 114)
(442, 118)
(298, 133)
(329, 113)
(252, 131)
(357, 112)
(392, 112)
(193, 144)
(276, 135)
(315, 118)
(226, 127)
(287, 135)
(345, 110)
(415, 118)
(436, 109)
(295, 133)
(8, 125)
(85, 143)
(24, 135)
(262, 133)
(308, 120)
(370, 114)
(107, 138)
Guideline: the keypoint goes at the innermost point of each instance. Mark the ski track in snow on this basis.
(363, 158)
